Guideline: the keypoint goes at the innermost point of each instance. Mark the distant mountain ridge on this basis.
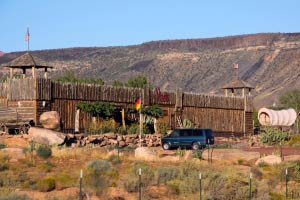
(268, 61)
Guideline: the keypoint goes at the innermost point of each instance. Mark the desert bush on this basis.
(14, 196)
(46, 166)
(166, 174)
(163, 128)
(63, 181)
(224, 185)
(2, 146)
(44, 151)
(4, 159)
(46, 184)
(180, 152)
(294, 141)
(148, 178)
(262, 164)
(121, 130)
(114, 159)
(256, 172)
(273, 136)
(197, 154)
(174, 186)
(133, 129)
(100, 176)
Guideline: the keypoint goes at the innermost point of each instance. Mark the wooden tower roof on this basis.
(238, 84)
(27, 61)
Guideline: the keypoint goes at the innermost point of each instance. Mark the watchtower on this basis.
(27, 61)
(238, 85)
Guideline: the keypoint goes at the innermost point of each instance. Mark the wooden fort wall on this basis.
(222, 114)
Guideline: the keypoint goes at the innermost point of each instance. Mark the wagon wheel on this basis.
(3, 128)
(24, 128)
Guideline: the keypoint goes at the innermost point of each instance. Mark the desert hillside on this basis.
(268, 61)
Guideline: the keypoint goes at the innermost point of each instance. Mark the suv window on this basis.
(208, 132)
(174, 134)
(186, 132)
(197, 132)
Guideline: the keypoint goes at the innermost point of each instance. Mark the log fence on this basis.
(208, 111)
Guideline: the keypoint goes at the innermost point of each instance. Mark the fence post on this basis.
(200, 185)
(250, 184)
(140, 184)
(80, 186)
(286, 183)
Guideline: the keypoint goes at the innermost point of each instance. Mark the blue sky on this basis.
(85, 23)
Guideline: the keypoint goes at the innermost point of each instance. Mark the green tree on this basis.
(291, 99)
(137, 82)
(70, 77)
(118, 84)
(154, 112)
(67, 77)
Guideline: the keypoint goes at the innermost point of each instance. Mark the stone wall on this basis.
(112, 139)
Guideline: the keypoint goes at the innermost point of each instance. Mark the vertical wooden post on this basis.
(226, 92)
(123, 118)
(245, 107)
(77, 114)
(46, 73)
(11, 72)
(243, 92)
(33, 72)
(24, 73)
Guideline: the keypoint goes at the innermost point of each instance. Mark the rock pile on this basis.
(112, 139)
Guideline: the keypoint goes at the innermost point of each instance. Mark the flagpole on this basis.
(141, 123)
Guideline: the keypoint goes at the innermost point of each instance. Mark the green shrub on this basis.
(163, 128)
(256, 172)
(114, 159)
(121, 130)
(273, 136)
(262, 164)
(46, 166)
(131, 184)
(197, 154)
(63, 181)
(4, 160)
(133, 129)
(14, 196)
(46, 184)
(294, 141)
(174, 186)
(148, 177)
(100, 176)
(44, 151)
(180, 152)
(2, 146)
(166, 174)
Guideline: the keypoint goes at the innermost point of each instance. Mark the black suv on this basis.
(195, 138)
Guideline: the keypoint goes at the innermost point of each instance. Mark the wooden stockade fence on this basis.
(91, 92)
(208, 111)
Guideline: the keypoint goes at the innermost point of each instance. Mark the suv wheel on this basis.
(195, 146)
(166, 146)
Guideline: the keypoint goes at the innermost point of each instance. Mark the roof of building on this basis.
(27, 61)
(238, 84)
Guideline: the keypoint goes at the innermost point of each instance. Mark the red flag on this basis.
(27, 35)
(235, 66)
(138, 104)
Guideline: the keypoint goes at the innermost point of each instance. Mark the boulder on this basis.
(110, 135)
(271, 159)
(46, 136)
(122, 144)
(50, 120)
(14, 153)
(145, 153)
